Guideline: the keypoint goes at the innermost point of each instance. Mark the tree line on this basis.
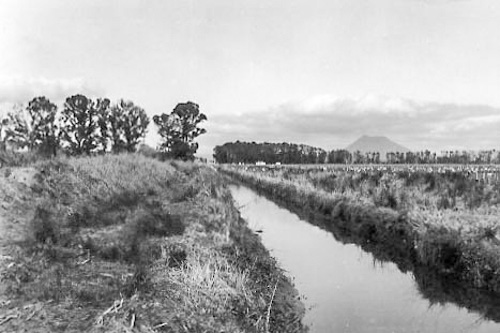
(252, 152)
(290, 153)
(86, 127)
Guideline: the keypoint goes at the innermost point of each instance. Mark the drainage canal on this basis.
(347, 290)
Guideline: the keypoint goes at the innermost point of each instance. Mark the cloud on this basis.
(333, 122)
(22, 89)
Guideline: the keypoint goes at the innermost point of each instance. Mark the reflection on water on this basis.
(348, 290)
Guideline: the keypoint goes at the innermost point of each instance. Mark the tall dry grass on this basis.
(130, 243)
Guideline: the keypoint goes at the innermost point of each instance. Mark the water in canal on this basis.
(345, 288)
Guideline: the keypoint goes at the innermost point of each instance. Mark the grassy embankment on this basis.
(127, 243)
(447, 223)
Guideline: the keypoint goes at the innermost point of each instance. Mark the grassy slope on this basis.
(459, 242)
(126, 243)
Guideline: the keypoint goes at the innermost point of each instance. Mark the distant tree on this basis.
(103, 137)
(311, 157)
(252, 152)
(409, 157)
(391, 157)
(43, 123)
(339, 156)
(127, 125)
(179, 129)
(322, 157)
(368, 157)
(398, 157)
(221, 154)
(167, 129)
(357, 157)
(17, 130)
(34, 127)
(294, 154)
(427, 154)
(81, 125)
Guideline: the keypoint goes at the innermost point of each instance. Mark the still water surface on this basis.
(345, 288)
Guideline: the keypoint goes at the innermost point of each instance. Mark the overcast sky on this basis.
(425, 73)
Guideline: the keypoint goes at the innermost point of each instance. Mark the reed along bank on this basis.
(131, 244)
(443, 223)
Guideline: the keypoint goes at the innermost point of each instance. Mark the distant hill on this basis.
(379, 144)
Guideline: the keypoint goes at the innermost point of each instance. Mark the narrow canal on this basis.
(345, 288)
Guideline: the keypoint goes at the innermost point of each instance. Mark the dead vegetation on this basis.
(130, 244)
